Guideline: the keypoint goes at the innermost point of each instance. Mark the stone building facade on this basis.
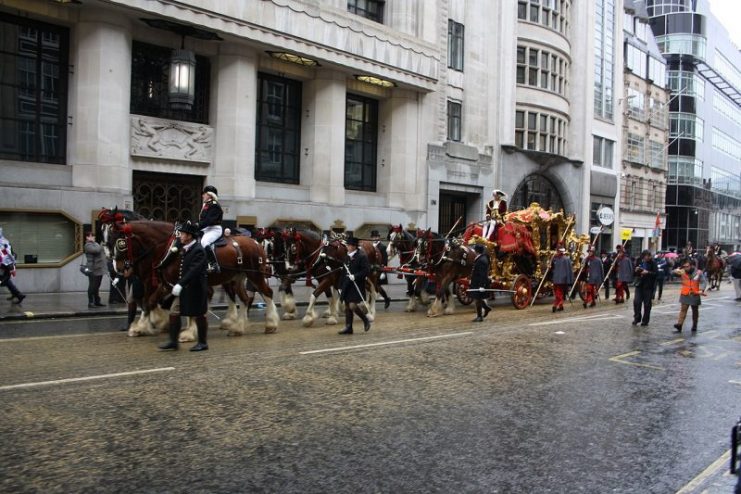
(333, 114)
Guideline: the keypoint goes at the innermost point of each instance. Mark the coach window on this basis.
(361, 142)
(33, 84)
(278, 129)
(40, 237)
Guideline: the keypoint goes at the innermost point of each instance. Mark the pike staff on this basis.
(550, 261)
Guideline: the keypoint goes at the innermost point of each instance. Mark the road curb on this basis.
(30, 315)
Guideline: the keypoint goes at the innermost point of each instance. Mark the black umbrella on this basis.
(735, 261)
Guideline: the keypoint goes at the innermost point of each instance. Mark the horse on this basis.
(330, 270)
(714, 267)
(145, 244)
(302, 248)
(446, 260)
(401, 243)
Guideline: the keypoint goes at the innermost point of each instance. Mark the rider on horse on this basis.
(209, 222)
(495, 211)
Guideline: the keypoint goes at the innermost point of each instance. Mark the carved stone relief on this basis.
(171, 140)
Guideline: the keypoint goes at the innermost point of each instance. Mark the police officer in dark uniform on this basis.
(191, 290)
(353, 286)
(480, 281)
(209, 223)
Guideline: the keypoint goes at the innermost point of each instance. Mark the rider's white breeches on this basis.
(210, 235)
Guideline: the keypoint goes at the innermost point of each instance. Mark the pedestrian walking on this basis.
(96, 268)
(480, 282)
(353, 286)
(191, 290)
(624, 268)
(662, 265)
(563, 276)
(595, 275)
(7, 270)
(645, 283)
(694, 285)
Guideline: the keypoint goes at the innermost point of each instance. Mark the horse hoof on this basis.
(289, 317)
(331, 321)
(270, 330)
(307, 322)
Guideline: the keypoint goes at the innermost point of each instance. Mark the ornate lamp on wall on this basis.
(182, 84)
(182, 87)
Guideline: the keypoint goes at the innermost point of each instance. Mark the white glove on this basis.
(383, 276)
(115, 281)
(176, 290)
(351, 276)
(481, 288)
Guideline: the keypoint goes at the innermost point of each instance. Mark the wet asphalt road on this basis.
(529, 401)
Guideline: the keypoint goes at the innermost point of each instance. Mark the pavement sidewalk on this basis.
(75, 304)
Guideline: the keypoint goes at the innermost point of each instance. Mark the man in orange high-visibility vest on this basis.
(694, 284)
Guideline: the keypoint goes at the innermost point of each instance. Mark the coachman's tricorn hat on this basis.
(210, 188)
(190, 228)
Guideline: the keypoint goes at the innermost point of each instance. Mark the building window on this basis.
(602, 151)
(730, 110)
(540, 132)
(604, 58)
(726, 144)
(658, 156)
(635, 149)
(684, 170)
(455, 45)
(686, 83)
(657, 71)
(685, 126)
(150, 73)
(361, 142)
(278, 129)
(454, 121)
(40, 237)
(658, 115)
(636, 104)
(682, 44)
(553, 14)
(33, 85)
(370, 9)
(635, 60)
(660, 7)
(542, 69)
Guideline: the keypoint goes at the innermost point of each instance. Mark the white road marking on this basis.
(707, 473)
(32, 338)
(87, 378)
(595, 317)
(353, 347)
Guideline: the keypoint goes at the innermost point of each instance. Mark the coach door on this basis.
(167, 197)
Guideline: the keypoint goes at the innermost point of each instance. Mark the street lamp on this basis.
(181, 90)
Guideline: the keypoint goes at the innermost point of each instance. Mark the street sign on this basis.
(595, 230)
(626, 233)
(605, 215)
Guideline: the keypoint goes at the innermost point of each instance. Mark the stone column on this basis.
(99, 138)
(403, 150)
(324, 137)
(234, 118)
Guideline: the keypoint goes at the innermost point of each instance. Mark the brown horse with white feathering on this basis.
(714, 267)
(144, 245)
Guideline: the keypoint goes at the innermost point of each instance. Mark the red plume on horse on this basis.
(144, 245)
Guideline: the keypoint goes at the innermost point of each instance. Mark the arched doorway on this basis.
(536, 188)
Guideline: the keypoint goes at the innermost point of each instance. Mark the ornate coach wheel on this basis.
(523, 292)
(461, 294)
